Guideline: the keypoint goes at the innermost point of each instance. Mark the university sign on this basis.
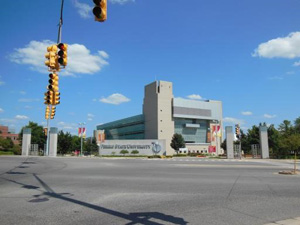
(144, 147)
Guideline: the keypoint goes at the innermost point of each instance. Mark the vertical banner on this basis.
(100, 136)
(82, 132)
(216, 132)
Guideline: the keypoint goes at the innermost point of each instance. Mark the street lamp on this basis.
(81, 135)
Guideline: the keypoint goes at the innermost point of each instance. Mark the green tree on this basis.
(64, 142)
(37, 134)
(273, 139)
(135, 152)
(177, 142)
(297, 125)
(290, 144)
(76, 143)
(6, 144)
(91, 146)
(285, 128)
(124, 152)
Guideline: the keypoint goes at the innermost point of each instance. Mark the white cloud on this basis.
(121, 1)
(23, 92)
(84, 10)
(80, 59)
(247, 113)
(296, 63)
(282, 47)
(1, 110)
(67, 126)
(268, 116)
(115, 99)
(233, 120)
(21, 117)
(194, 96)
(1, 82)
(28, 107)
(28, 100)
(6, 121)
(90, 115)
(275, 78)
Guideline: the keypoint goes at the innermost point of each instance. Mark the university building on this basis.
(198, 121)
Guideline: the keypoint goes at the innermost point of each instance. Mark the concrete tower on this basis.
(157, 109)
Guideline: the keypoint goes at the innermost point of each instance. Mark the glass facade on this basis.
(128, 128)
(192, 130)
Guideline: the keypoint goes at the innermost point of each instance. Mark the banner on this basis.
(216, 131)
(82, 131)
(100, 136)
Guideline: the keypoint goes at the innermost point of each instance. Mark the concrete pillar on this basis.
(53, 141)
(26, 141)
(229, 142)
(264, 145)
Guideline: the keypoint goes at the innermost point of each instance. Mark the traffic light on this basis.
(47, 112)
(48, 97)
(51, 56)
(56, 98)
(100, 10)
(62, 54)
(237, 131)
(45, 131)
(53, 82)
(53, 110)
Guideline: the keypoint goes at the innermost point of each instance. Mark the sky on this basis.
(243, 53)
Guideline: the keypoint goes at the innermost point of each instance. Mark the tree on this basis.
(6, 144)
(124, 152)
(37, 134)
(290, 144)
(177, 142)
(273, 139)
(64, 142)
(135, 152)
(91, 145)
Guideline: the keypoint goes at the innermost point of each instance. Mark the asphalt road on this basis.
(41, 190)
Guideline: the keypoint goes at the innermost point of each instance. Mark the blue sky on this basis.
(243, 53)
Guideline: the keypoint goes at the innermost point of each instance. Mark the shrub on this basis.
(135, 152)
(124, 152)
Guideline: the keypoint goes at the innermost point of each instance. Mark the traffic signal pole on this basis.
(60, 22)
(50, 105)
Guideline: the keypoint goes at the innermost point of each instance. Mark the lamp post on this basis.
(81, 135)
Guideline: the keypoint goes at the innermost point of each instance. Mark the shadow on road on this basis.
(143, 218)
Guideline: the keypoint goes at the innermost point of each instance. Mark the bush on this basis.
(135, 152)
(180, 155)
(154, 156)
(124, 152)
(6, 153)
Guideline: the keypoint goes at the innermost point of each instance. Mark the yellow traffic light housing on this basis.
(47, 112)
(51, 57)
(48, 97)
(53, 82)
(53, 110)
(62, 54)
(45, 131)
(56, 98)
(100, 10)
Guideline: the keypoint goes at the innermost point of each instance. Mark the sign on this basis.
(82, 132)
(100, 136)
